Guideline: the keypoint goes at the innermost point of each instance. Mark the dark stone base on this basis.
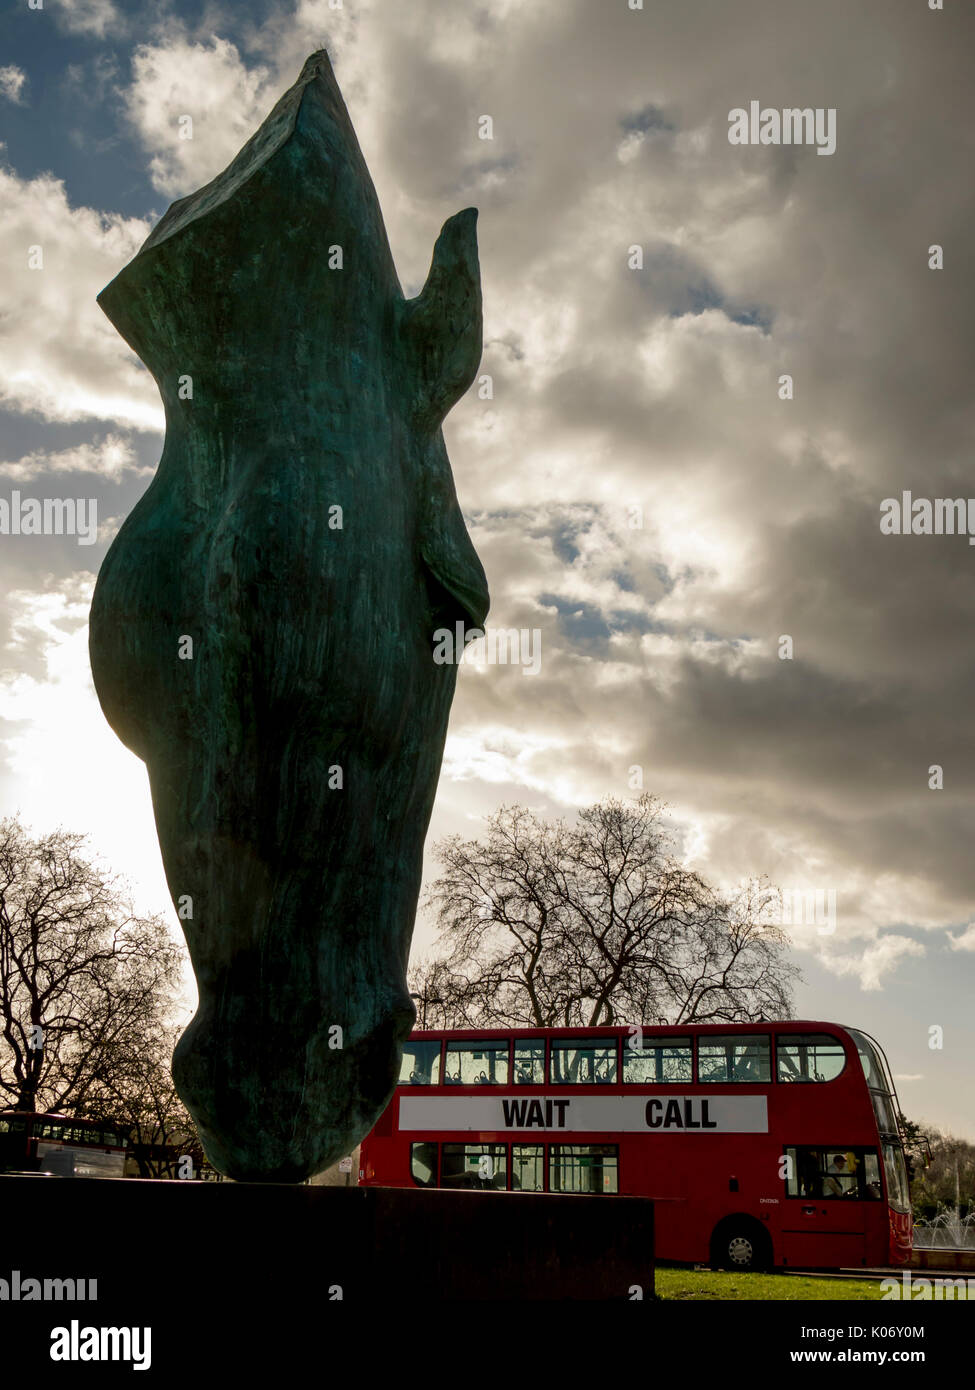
(250, 1258)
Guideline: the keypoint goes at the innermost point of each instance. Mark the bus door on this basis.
(830, 1193)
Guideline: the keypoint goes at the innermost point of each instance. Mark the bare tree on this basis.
(134, 1086)
(548, 924)
(83, 981)
(948, 1180)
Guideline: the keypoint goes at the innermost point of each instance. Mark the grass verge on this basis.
(681, 1284)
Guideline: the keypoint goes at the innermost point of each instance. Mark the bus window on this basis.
(55, 1159)
(883, 1109)
(584, 1168)
(872, 1067)
(834, 1170)
(881, 1087)
(79, 1162)
(898, 1192)
(423, 1164)
(474, 1165)
(529, 1062)
(658, 1060)
(871, 1174)
(737, 1058)
(809, 1057)
(478, 1063)
(419, 1066)
(96, 1163)
(583, 1061)
(527, 1168)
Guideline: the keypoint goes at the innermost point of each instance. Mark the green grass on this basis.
(692, 1284)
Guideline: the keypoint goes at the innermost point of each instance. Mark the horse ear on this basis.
(440, 330)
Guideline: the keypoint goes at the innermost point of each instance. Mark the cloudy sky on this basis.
(637, 488)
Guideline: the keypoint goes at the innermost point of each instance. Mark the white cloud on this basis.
(881, 957)
(12, 80)
(100, 18)
(210, 83)
(60, 358)
(110, 457)
(964, 941)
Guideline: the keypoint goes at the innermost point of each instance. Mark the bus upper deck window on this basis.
(421, 1063)
(657, 1060)
(529, 1062)
(809, 1057)
(740, 1058)
(583, 1061)
(872, 1061)
(480, 1063)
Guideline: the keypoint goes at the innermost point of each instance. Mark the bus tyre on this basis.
(740, 1244)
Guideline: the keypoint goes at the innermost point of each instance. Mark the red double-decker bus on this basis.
(772, 1144)
(61, 1145)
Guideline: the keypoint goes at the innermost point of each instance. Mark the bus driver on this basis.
(840, 1182)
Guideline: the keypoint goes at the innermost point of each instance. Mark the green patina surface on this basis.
(313, 388)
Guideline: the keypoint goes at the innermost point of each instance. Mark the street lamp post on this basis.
(425, 999)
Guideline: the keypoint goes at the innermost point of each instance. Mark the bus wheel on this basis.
(740, 1244)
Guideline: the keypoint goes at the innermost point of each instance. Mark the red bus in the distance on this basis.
(772, 1144)
(61, 1145)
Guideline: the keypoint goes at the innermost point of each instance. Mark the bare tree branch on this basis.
(544, 924)
(84, 983)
